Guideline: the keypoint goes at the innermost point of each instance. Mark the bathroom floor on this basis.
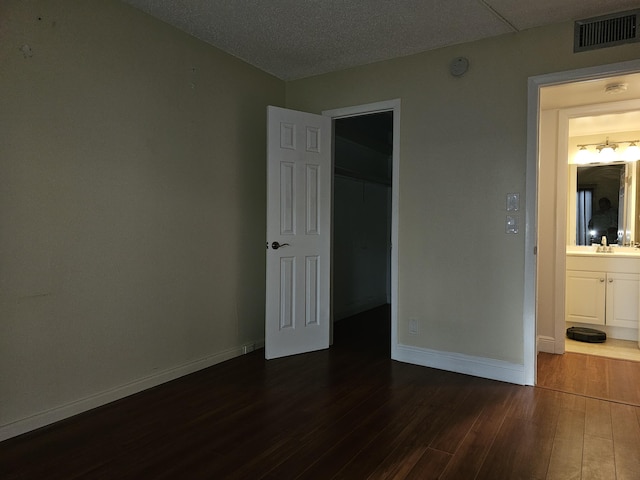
(612, 348)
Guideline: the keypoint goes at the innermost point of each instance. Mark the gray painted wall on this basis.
(132, 205)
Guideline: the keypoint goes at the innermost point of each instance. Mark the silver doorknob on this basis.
(276, 245)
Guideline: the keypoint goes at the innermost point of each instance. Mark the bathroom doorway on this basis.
(563, 97)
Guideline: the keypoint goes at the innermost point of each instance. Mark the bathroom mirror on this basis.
(605, 202)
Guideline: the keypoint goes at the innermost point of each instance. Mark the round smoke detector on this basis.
(615, 88)
(459, 66)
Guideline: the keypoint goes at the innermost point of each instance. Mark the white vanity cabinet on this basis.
(603, 290)
(585, 298)
(622, 299)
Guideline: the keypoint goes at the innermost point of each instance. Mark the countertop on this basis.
(616, 251)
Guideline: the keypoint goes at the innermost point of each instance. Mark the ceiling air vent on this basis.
(606, 31)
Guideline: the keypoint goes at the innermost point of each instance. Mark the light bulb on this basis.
(632, 153)
(607, 154)
(583, 156)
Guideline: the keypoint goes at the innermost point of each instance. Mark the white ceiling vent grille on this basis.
(606, 31)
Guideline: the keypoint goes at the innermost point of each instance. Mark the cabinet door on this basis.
(622, 299)
(585, 297)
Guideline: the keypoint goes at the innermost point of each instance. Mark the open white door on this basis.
(298, 232)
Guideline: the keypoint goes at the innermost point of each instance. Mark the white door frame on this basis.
(377, 107)
(531, 216)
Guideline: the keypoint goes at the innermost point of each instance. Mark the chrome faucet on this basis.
(603, 245)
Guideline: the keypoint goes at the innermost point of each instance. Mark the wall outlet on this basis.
(413, 326)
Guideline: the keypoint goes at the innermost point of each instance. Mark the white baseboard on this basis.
(546, 344)
(79, 406)
(460, 363)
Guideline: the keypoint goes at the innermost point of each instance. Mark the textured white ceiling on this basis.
(299, 38)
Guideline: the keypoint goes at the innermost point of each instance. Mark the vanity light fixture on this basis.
(607, 152)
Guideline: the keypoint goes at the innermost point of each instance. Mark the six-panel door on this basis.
(298, 221)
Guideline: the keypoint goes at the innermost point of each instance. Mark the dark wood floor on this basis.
(346, 413)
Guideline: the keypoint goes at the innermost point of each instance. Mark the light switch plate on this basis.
(513, 202)
(511, 224)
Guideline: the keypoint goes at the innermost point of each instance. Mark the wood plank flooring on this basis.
(345, 413)
(591, 376)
